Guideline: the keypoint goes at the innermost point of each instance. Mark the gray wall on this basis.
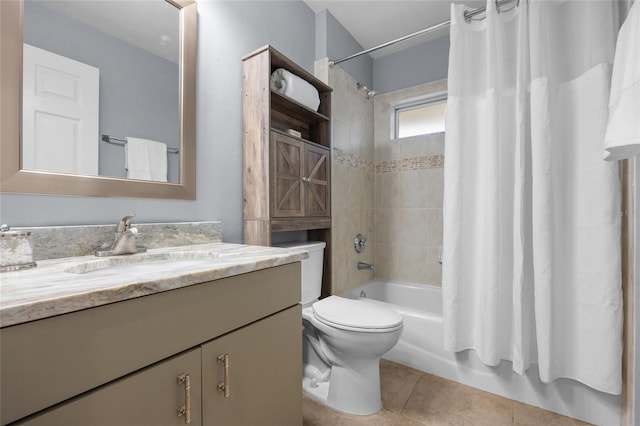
(138, 90)
(415, 65)
(410, 67)
(227, 31)
(333, 41)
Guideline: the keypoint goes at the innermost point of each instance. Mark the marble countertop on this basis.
(60, 286)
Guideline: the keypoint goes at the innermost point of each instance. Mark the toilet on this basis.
(343, 340)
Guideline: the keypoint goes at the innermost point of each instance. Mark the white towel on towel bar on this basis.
(145, 159)
(622, 139)
(292, 86)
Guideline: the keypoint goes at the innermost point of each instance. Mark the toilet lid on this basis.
(350, 314)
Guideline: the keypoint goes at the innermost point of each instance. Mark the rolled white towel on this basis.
(292, 86)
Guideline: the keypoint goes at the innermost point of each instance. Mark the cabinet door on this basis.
(287, 189)
(317, 174)
(264, 373)
(151, 397)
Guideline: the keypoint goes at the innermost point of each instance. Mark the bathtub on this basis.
(421, 347)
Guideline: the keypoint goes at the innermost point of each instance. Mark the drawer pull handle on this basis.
(224, 385)
(185, 410)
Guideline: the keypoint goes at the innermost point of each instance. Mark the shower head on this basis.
(370, 93)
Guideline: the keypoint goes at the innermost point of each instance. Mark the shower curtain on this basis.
(531, 252)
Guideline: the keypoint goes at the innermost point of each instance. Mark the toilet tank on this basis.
(311, 268)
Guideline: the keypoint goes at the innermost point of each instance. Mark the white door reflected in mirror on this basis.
(60, 113)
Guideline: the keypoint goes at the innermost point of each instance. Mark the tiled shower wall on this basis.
(408, 187)
(351, 177)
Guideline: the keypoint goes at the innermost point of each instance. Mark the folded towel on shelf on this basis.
(622, 139)
(292, 86)
(145, 159)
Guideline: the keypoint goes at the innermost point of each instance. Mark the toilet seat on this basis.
(356, 315)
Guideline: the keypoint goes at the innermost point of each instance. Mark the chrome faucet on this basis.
(366, 266)
(124, 241)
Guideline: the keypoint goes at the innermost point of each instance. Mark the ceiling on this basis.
(373, 22)
(151, 25)
(370, 22)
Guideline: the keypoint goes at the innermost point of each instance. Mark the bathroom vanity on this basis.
(202, 335)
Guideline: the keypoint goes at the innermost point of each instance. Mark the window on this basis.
(421, 118)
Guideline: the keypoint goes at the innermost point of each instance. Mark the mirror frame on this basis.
(13, 179)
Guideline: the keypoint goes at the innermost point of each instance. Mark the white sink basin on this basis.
(141, 263)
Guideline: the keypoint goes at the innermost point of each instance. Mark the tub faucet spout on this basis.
(366, 266)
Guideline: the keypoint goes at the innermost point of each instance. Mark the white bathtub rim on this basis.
(582, 402)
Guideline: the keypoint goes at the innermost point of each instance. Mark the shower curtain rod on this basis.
(467, 15)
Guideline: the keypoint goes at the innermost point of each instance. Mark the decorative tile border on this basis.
(407, 164)
(345, 158)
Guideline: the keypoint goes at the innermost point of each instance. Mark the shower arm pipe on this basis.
(467, 15)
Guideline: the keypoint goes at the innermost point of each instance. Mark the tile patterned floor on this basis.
(413, 398)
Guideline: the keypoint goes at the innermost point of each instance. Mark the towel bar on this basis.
(121, 142)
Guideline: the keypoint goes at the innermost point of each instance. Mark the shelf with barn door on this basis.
(300, 172)
(286, 153)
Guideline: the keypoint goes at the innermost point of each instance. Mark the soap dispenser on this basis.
(16, 252)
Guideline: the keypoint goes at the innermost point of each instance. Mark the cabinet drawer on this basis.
(48, 361)
(264, 374)
(149, 397)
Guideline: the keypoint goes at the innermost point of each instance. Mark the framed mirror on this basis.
(119, 119)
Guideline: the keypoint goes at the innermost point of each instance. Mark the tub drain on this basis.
(363, 294)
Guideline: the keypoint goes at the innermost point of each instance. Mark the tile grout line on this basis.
(413, 389)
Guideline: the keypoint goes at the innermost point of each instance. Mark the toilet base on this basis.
(316, 391)
(348, 391)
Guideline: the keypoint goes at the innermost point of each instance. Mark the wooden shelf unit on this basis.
(286, 179)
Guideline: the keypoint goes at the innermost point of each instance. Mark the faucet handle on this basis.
(125, 223)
